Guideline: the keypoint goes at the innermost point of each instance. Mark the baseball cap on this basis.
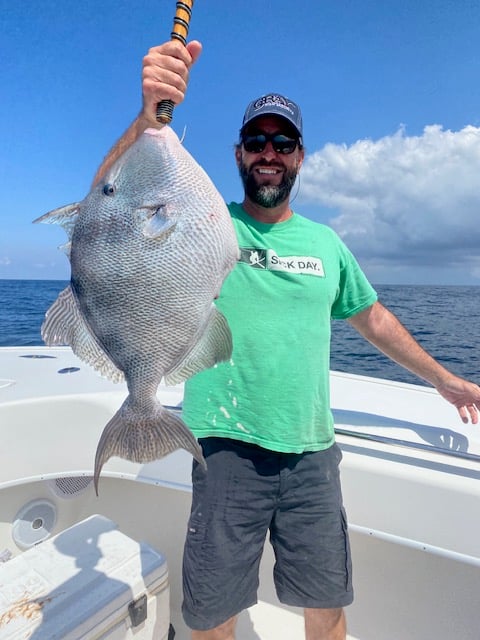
(274, 104)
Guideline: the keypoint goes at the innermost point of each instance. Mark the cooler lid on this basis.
(76, 581)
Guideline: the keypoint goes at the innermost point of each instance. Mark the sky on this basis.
(389, 90)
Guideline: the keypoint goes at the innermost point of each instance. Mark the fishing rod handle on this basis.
(181, 22)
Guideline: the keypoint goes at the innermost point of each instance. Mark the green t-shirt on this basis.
(291, 279)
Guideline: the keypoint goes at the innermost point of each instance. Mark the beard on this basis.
(267, 195)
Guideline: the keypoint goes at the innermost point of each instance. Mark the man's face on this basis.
(268, 175)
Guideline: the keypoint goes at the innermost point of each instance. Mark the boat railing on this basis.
(362, 435)
(463, 455)
(415, 544)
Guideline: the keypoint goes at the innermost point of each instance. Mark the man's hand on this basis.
(165, 75)
(464, 395)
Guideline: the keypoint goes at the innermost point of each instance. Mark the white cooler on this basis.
(89, 582)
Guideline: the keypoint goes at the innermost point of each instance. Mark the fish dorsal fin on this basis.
(64, 324)
(215, 345)
(64, 216)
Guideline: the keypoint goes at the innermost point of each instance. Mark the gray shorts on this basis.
(246, 492)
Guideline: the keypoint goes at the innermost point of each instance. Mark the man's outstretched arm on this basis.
(382, 328)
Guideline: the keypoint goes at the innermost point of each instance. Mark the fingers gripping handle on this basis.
(181, 22)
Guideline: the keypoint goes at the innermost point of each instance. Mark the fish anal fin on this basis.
(64, 325)
(215, 345)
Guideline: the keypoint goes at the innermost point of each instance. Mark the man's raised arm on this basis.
(164, 77)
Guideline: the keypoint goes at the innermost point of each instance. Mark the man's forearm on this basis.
(383, 329)
(133, 132)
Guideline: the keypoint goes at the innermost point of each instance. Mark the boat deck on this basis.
(410, 476)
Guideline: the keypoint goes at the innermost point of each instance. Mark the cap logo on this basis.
(274, 104)
(274, 100)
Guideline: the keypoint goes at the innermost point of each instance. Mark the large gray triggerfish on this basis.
(150, 247)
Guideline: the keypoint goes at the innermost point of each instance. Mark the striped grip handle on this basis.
(181, 22)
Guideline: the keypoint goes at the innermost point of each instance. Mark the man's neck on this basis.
(263, 214)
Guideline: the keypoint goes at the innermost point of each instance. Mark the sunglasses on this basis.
(280, 143)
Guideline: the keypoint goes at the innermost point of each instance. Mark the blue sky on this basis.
(390, 94)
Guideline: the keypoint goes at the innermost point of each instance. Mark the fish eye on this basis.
(109, 189)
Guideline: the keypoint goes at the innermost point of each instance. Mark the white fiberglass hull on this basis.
(413, 512)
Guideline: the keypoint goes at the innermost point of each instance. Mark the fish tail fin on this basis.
(144, 439)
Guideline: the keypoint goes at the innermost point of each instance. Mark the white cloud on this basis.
(403, 199)
(5, 261)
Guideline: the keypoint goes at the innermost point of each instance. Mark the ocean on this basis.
(444, 320)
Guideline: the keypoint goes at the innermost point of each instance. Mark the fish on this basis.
(149, 248)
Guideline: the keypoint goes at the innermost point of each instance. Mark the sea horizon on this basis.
(438, 316)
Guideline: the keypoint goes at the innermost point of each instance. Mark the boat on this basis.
(411, 484)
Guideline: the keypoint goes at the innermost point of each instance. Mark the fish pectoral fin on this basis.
(65, 216)
(214, 345)
(65, 324)
(159, 226)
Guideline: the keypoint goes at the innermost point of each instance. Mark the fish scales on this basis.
(150, 247)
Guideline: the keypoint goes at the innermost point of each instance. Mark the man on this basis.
(263, 419)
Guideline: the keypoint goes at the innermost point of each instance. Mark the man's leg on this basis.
(310, 539)
(320, 624)
(232, 506)
(225, 631)
(324, 624)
